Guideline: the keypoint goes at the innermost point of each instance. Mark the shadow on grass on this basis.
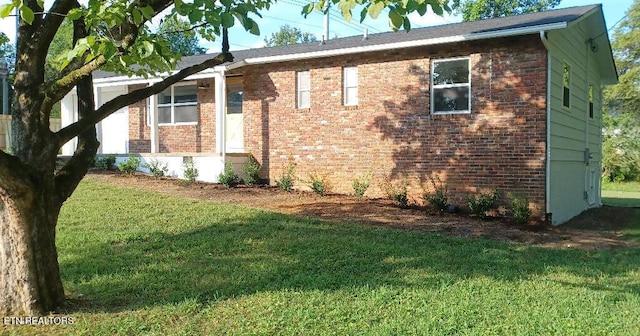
(621, 202)
(227, 257)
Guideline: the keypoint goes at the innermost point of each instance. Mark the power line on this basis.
(615, 24)
(361, 25)
(289, 21)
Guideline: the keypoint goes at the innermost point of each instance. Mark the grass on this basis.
(152, 264)
(625, 194)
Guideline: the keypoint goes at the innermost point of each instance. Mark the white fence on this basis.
(5, 129)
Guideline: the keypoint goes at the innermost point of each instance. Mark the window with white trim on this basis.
(451, 86)
(178, 104)
(304, 89)
(350, 90)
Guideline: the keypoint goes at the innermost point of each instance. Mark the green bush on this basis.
(318, 184)
(482, 203)
(621, 148)
(190, 171)
(106, 162)
(251, 169)
(228, 177)
(129, 166)
(361, 184)
(520, 207)
(397, 191)
(438, 199)
(286, 181)
(157, 168)
(401, 199)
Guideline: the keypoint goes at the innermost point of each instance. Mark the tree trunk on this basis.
(30, 283)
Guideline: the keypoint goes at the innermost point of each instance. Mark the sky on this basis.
(288, 12)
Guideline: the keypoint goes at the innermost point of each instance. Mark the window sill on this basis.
(351, 107)
(179, 124)
(449, 113)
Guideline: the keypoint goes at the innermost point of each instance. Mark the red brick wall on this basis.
(500, 144)
(175, 138)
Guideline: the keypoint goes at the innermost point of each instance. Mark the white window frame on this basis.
(300, 90)
(173, 105)
(347, 85)
(445, 86)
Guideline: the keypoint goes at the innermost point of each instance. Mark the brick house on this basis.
(510, 103)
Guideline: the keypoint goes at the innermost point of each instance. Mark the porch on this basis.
(199, 118)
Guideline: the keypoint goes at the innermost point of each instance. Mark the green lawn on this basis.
(151, 264)
(625, 194)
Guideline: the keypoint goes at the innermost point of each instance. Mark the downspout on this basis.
(547, 205)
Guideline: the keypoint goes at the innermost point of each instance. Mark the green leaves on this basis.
(396, 19)
(5, 10)
(26, 14)
(227, 20)
(375, 9)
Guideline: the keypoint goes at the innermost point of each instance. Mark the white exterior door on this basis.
(234, 118)
(113, 131)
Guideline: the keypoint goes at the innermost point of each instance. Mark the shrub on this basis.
(318, 184)
(401, 199)
(190, 171)
(285, 183)
(520, 207)
(228, 177)
(482, 203)
(106, 162)
(361, 184)
(438, 199)
(129, 166)
(157, 168)
(251, 169)
(397, 191)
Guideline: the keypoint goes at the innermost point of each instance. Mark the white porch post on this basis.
(153, 120)
(221, 108)
(68, 116)
(97, 100)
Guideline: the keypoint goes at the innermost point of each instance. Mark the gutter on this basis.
(545, 42)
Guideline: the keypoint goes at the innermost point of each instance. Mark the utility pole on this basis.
(325, 37)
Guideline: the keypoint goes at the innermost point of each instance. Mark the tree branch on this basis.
(76, 71)
(51, 23)
(70, 131)
(68, 177)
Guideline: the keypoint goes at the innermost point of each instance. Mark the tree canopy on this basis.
(180, 37)
(472, 10)
(7, 51)
(288, 35)
(621, 103)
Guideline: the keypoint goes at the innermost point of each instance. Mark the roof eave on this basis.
(408, 44)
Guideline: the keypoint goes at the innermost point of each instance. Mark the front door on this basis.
(234, 120)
